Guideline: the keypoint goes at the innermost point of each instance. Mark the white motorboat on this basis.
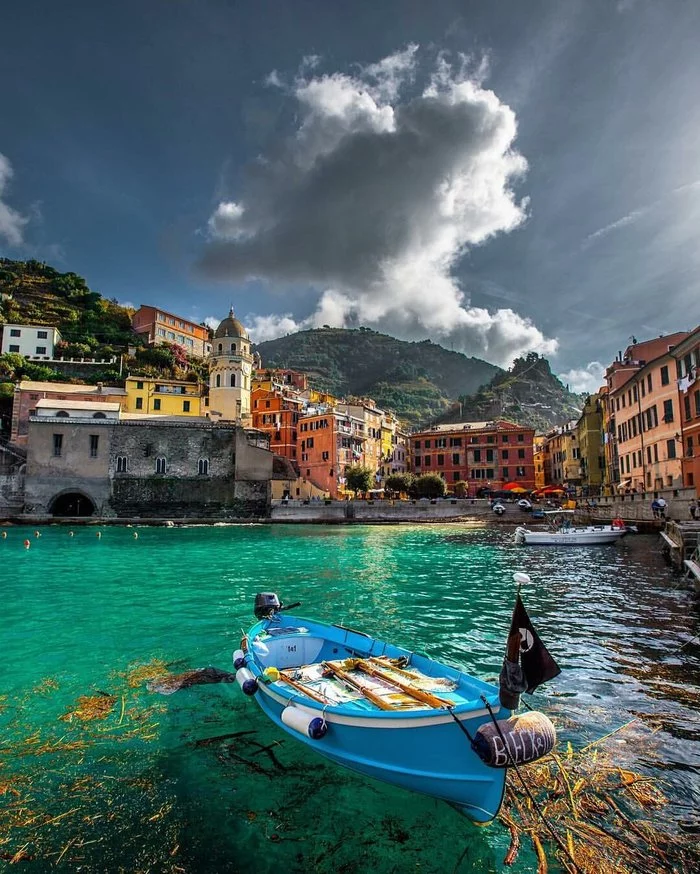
(561, 531)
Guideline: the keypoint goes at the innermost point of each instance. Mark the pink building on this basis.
(27, 393)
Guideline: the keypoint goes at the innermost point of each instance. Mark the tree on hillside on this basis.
(358, 478)
(429, 485)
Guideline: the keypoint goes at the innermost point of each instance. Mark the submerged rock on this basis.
(200, 677)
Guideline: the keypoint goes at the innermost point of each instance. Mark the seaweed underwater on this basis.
(69, 789)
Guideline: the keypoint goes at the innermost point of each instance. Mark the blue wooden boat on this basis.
(386, 711)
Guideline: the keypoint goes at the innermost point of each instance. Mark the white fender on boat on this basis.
(304, 722)
(238, 659)
(246, 681)
(520, 739)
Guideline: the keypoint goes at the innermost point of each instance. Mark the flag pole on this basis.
(511, 679)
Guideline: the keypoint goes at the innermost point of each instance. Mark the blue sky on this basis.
(496, 176)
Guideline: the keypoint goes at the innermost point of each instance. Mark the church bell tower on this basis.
(230, 372)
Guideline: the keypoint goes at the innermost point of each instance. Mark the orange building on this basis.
(272, 378)
(157, 326)
(687, 356)
(331, 442)
(485, 454)
(277, 414)
(648, 427)
(639, 456)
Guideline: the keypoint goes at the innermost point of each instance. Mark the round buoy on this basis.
(37, 534)
(27, 544)
(250, 687)
(136, 535)
(70, 534)
(98, 535)
(317, 728)
(4, 534)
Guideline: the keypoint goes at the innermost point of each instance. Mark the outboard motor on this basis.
(266, 604)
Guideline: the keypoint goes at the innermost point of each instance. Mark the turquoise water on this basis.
(139, 790)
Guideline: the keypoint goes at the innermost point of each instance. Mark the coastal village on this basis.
(235, 437)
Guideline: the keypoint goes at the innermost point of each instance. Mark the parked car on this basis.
(498, 508)
(525, 505)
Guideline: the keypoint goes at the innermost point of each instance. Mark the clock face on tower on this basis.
(246, 368)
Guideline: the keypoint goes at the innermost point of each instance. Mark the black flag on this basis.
(537, 664)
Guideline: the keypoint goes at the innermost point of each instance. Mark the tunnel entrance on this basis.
(72, 504)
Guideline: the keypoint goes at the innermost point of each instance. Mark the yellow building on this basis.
(588, 432)
(562, 447)
(539, 459)
(165, 397)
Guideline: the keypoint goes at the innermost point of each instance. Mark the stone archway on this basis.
(72, 503)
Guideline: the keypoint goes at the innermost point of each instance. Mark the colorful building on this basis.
(486, 455)
(395, 442)
(366, 411)
(687, 355)
(31, 341)
(166, 397)
(539, 461)
(622, 404)
(157, 326)
(564, 456)
(647, 412)
(230, 373)
(331, 441)
(280, 379)
(277, 413)
(588, 435)
(28, 393)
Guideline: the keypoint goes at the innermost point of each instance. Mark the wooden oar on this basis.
(406, 688)
(361, 687)
(386, 662)
(298, 686)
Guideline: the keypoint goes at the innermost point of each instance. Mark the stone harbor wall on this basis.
(11, 495)
(162, 497)
(637, 507)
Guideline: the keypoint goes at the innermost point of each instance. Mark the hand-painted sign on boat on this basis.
(520, 740)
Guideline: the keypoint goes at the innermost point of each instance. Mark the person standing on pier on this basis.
(693, 509)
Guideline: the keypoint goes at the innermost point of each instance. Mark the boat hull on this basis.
(572, 537)
(426, 756)
(422, 749)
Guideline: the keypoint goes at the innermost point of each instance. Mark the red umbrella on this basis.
(508, 486)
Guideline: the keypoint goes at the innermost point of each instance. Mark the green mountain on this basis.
(528, 393)
(417, 381)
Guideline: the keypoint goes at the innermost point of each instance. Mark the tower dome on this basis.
(230, 372)
(231, 327)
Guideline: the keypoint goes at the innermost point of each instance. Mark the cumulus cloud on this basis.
(11, 222)
(382, 187)
(585, 380)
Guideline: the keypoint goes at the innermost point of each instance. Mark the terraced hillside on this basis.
(417, 381)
